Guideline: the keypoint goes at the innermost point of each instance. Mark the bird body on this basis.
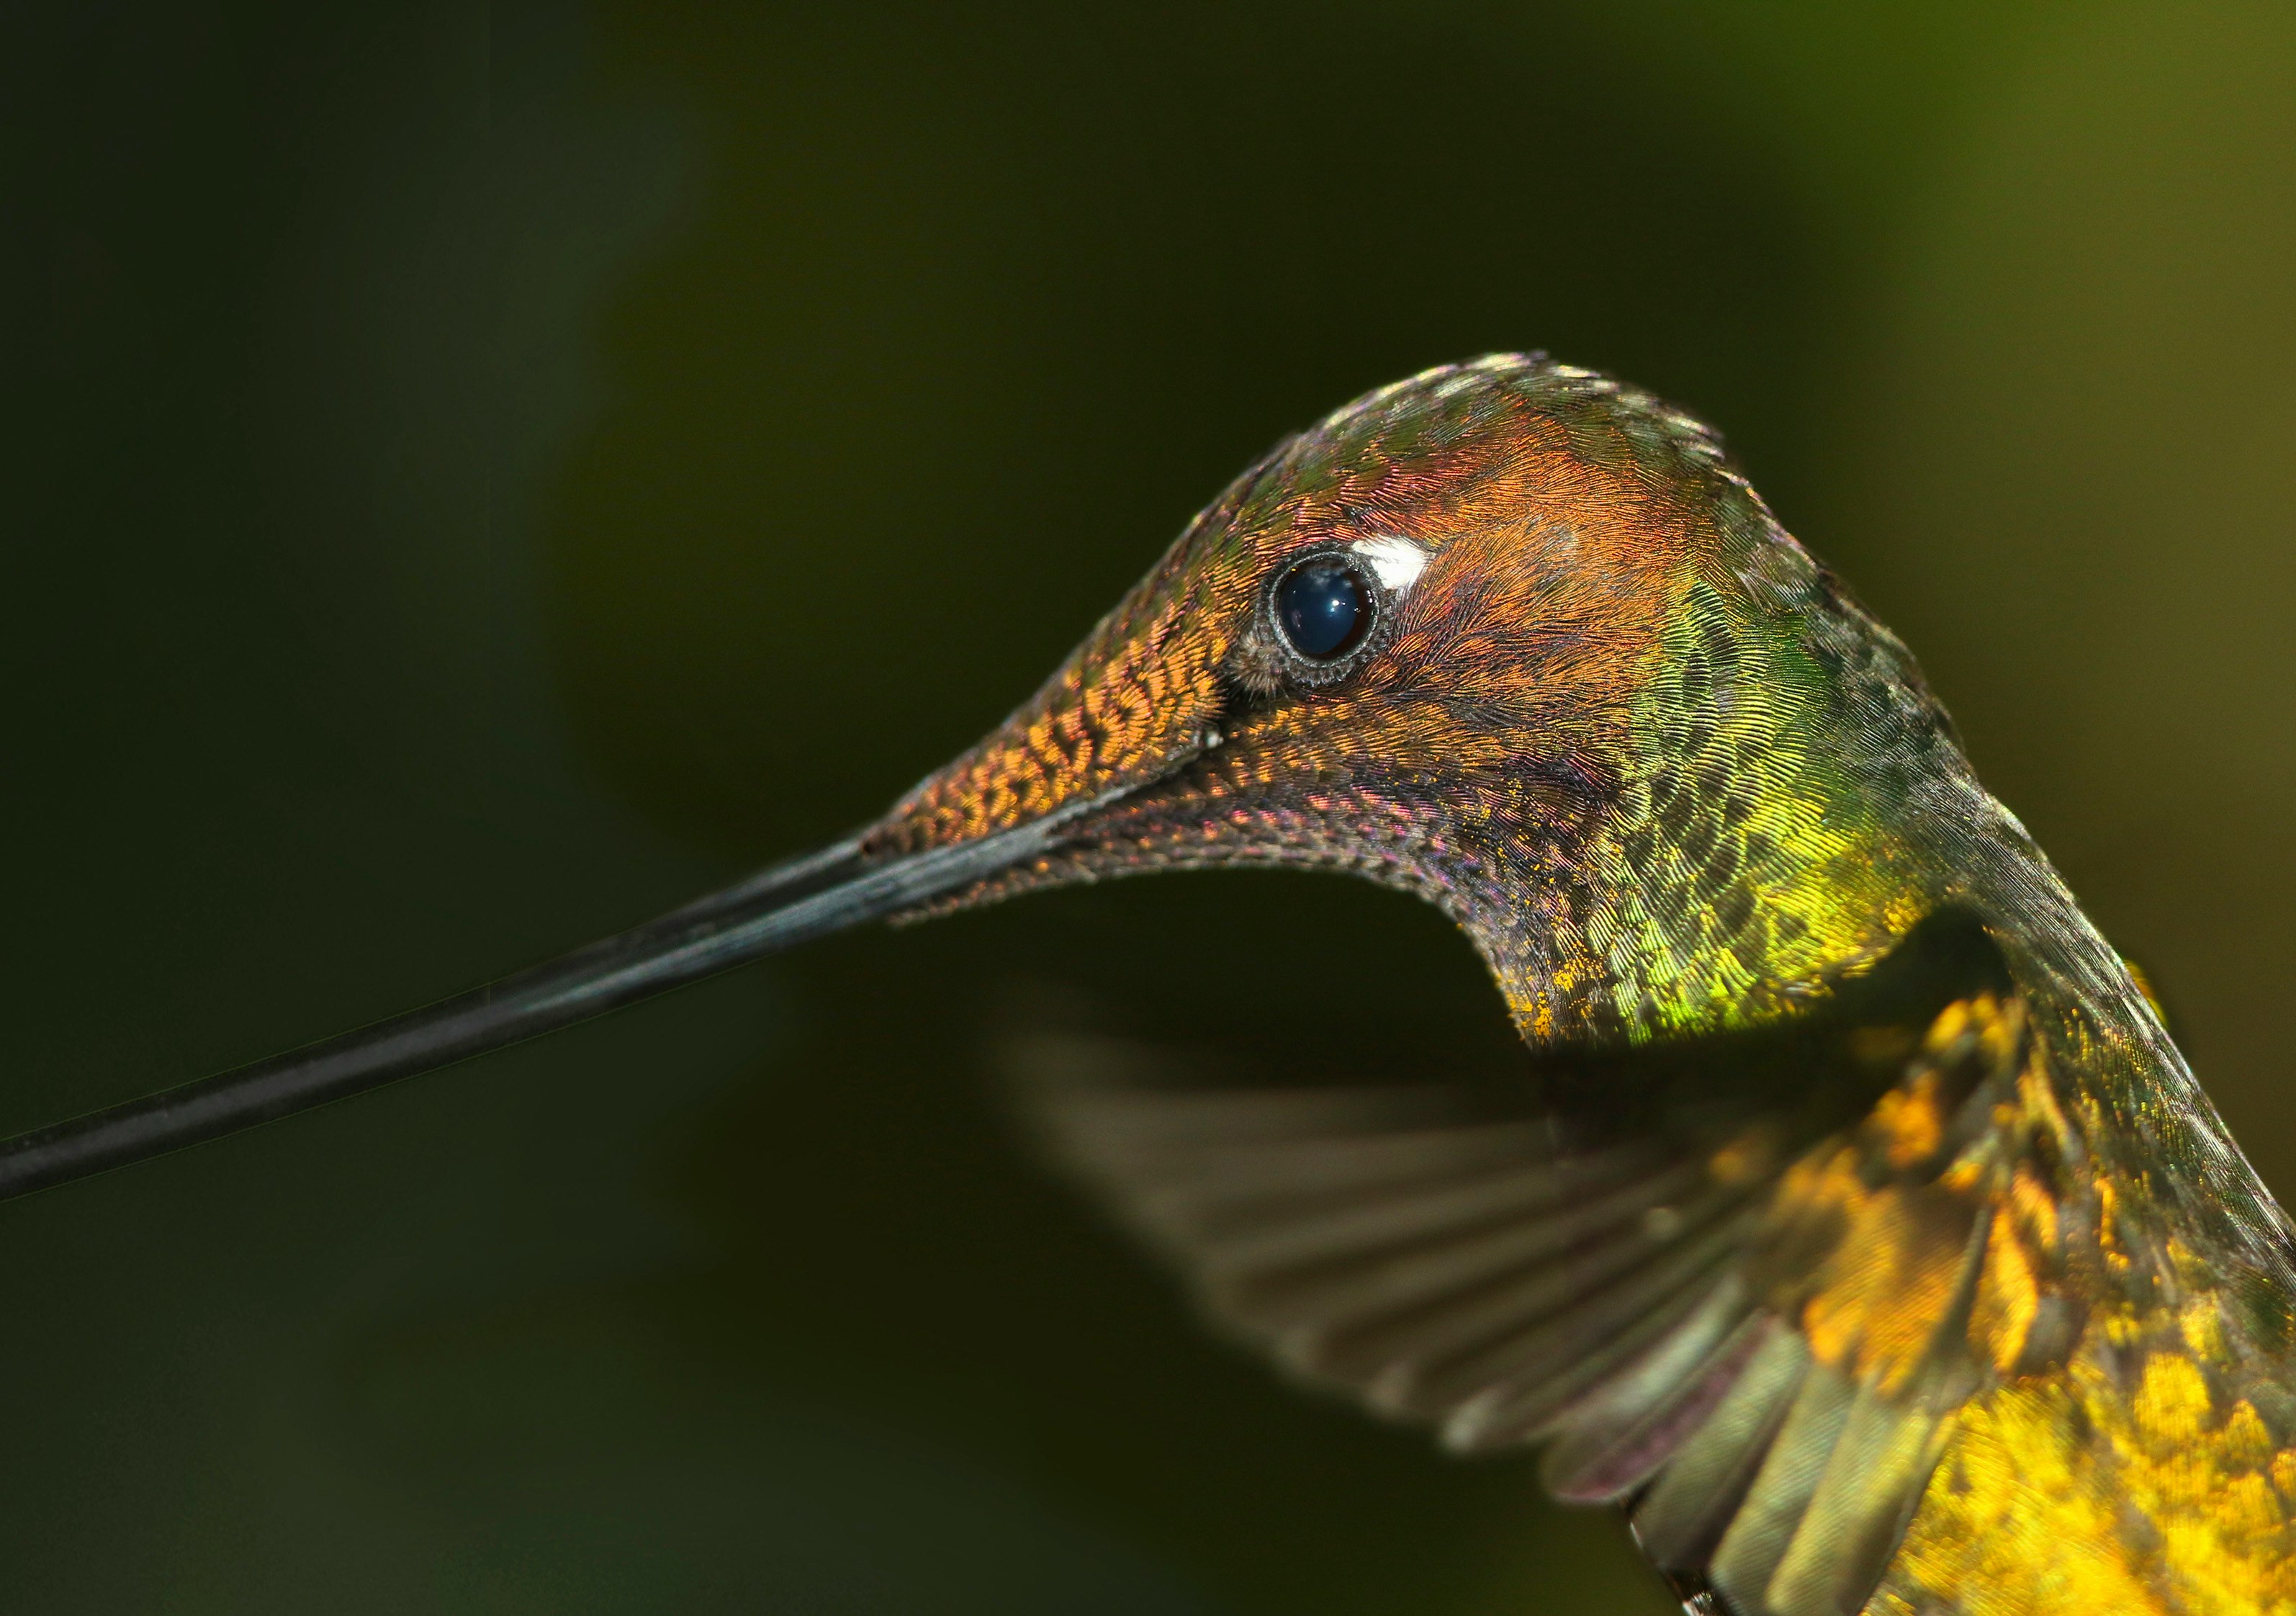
(1957, 1299)
(1853, 1223)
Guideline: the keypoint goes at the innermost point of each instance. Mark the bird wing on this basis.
(1748, 1289)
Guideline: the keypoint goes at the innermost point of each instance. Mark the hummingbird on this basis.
(1853, 1223)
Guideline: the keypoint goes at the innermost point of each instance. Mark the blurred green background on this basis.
(474, 479)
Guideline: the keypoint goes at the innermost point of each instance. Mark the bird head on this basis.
(1516, 639)
(1507, 634)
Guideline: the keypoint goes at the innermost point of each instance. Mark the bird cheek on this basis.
(1038, 767)
(1119, 718)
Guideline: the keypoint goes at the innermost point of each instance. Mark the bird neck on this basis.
(1707, 899)
(1776, 817)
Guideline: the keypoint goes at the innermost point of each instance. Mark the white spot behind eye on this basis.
(1398, 561)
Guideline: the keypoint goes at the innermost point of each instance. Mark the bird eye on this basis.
(1324, 608)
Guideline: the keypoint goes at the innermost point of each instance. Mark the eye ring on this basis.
(1325, 611)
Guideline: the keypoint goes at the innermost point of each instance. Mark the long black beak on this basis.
(789, 904)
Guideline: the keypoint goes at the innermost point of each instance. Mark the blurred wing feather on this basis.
(1736, 1288)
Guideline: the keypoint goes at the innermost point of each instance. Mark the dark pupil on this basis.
(1323, 609)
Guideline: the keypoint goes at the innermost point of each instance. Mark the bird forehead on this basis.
(1513, 514)
(1558, 460)
(1508, 491)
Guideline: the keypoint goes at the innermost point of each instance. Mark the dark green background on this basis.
(473, 479)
